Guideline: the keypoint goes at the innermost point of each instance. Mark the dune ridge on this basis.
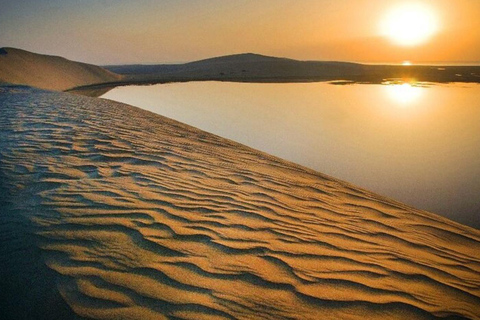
(141, 217)
(49, 72)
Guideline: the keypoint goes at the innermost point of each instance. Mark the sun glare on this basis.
(404, 93)
(409, 24)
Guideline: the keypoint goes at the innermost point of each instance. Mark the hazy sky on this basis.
(148, 31)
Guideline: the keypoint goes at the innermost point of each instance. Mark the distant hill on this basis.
(168, 68)
(239, 58)
(250, 65)
(244, 67)
(49, 72)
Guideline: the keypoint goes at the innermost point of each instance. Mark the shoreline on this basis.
(334, 80)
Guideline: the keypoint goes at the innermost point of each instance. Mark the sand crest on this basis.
(49, 72)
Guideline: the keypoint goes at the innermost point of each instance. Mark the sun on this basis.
(409, 24)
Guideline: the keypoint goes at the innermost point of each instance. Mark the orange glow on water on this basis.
(404, 94)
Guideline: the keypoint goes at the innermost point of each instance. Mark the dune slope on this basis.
(49, 72)
(124, 214)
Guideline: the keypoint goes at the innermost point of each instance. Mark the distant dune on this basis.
(49, 72)
(111, 212)
(244, 67)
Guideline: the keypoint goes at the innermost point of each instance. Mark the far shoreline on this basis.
(253, 68)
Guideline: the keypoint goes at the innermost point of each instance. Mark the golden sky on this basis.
(152, 31)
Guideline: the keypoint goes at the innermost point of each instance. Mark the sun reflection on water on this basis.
(404, 93)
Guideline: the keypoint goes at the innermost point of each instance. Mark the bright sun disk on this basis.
(409, 24)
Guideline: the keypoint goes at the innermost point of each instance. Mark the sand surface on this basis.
(49, 72)
(112, 212)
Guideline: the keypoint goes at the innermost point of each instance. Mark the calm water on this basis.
(418, 145)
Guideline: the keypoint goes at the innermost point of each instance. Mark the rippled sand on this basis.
(112, 212)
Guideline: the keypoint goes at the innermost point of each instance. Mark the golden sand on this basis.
(142, 217)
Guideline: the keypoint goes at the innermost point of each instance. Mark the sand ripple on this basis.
(141, 217)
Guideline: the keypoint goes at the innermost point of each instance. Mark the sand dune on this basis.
(112, 212)
(49, 72)
(245, 66)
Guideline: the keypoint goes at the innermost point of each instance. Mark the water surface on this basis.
(418, 145)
